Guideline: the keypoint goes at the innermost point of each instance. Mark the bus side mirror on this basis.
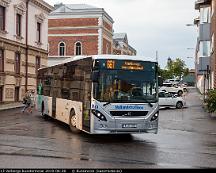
(95, 76)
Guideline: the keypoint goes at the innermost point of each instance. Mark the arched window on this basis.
(78, 48)
(62, 49)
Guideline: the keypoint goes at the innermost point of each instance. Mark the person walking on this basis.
(27, 102)
(33, 102)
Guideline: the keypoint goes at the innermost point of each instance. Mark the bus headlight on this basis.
(99, 115)
(155, 116)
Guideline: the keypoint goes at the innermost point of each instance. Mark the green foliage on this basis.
(174, 69)
(211, 100)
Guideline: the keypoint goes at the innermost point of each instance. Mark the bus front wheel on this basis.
(73, 121)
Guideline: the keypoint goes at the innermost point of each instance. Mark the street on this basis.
(186, 139)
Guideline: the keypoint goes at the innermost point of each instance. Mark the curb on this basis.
(11, 107)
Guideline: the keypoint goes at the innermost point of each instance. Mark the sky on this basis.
(152, 25)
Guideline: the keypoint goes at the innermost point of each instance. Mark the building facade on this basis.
(79, 29)
(121, 46)
(204, 55)
(23, 46)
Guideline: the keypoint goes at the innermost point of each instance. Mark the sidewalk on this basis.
(11, 106)
(204, 106)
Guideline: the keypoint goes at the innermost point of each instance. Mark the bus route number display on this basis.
(110, 64)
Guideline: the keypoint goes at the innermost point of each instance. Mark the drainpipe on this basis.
(26, 55)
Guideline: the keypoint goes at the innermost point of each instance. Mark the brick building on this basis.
(79, 29)
(23, 46)
(121, 46)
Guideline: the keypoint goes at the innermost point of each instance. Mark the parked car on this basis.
(167, 99)
(173, 81)
(168, 87)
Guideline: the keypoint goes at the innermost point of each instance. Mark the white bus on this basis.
(101, 94)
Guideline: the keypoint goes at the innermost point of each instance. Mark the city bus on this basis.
(101, 94)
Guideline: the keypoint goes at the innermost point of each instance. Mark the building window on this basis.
(78, 50)
(62, 49)
(212, 43)
(17, 63)
(1, 60)
(205, 15)
(107, 49)
(18, 24)
(38, 35)
(2, 18)
(204, 48)
(38, 64)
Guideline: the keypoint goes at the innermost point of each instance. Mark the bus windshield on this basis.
(128, 86)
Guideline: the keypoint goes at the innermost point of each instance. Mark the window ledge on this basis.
(39, 43)
(19, 37)
(3, 32)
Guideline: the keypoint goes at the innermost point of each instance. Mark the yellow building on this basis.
(23, 46)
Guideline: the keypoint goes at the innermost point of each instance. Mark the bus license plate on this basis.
(129, 125)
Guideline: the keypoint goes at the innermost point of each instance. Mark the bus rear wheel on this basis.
(73, 121)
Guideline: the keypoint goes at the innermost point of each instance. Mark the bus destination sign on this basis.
(124, 65)
(132, 66)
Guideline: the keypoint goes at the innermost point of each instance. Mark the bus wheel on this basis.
(73, 121)
(45, 116)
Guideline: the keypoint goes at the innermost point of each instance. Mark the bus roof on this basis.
(118, 57)
(105, 56)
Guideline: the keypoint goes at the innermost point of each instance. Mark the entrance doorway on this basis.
(16, 94)
(1, 94)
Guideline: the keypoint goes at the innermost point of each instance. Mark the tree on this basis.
(176, 68)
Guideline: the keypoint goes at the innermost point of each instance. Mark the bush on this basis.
(211, 101)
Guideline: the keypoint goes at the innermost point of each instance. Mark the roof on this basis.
(80, 9)
(118, 57)
(62, 8)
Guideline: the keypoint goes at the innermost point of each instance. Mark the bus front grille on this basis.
(128, 113)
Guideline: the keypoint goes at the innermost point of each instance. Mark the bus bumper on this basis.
(121, 127)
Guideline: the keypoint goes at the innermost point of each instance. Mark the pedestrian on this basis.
(27, 102)
(32, 97)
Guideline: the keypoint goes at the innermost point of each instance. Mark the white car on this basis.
(169, 100)
(168, 87)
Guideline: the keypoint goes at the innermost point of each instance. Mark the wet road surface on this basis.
(186, 139)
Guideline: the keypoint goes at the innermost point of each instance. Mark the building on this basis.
(205, 58)
(79, 29)
(23, 46)
(190, 78)
(121, 46)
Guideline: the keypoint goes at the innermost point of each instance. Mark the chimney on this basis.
(58, 5)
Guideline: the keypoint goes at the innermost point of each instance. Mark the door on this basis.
(16, 97)
(162, 99)
(1, 94)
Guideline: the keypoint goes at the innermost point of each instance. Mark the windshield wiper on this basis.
(105, 104)
(150, 104)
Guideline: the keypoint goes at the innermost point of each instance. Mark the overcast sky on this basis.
(152, 25)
